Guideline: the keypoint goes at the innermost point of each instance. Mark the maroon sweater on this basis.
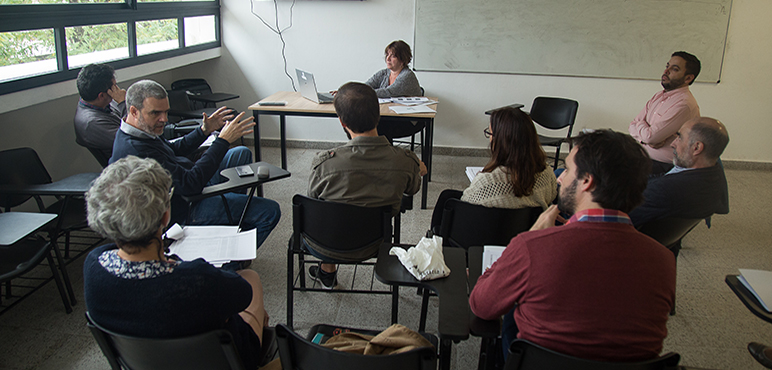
(594, 290)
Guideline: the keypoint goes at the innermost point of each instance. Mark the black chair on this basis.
(353, 231)
(298, 353)
(465, 225)
(214, 350)
(20, 256)
(179, 109)
(669, 232)
(200, 93)
(21, 168)
(524, 355)
(399, 129)
(553, 114)
(100, 157)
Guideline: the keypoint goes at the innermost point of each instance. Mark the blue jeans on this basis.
(263, 214)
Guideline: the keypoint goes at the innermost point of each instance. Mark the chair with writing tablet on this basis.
(669, 232)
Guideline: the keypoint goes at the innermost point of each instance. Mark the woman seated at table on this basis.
(131, 288)
(517, 175)
(396, 80)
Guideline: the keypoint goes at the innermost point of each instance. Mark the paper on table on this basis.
(216, 244)
(471, 172)
(416, 100)
(759, 283)
(384, 100)
(490, 254)
(411, 109)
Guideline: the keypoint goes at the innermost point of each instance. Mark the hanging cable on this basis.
(277, 31)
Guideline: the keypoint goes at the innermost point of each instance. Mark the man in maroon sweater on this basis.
(593, 288)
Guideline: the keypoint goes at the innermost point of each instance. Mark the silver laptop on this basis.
(308, 88)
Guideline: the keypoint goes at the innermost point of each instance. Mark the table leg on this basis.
(426, 157)
(283, 129)
(258, 156)
(394, 303)
(445, 347)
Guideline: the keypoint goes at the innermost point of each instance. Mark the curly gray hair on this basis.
(128, 200)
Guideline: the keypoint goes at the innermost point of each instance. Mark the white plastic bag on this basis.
(425, 260)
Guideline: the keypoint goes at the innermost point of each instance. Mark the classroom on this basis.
(250, 63)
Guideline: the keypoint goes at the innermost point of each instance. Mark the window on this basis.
(47, 41)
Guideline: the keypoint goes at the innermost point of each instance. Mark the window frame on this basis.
(59, 16)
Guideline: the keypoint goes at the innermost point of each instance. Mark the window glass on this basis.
(26, 53)
(199, 30)
(155, 36)
(165, 1)
(96, 44)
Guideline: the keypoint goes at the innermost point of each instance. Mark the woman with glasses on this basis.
(517, 175)
(132, 288)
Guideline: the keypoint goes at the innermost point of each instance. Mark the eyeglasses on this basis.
(171, 192)
(487, 132)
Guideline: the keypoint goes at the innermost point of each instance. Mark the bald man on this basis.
(696, 186)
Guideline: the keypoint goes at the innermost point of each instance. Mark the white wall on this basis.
(351, 48)
(344, 40)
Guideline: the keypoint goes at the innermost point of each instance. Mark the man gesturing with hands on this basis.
(140, 135)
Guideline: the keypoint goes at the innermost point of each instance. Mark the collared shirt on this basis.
(600, 215)
(661, 118)
(133, 131)
(677, 169)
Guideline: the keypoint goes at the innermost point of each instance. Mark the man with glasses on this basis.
(100, 109)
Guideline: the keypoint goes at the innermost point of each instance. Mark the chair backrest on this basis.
(554, 113)
(100, 157)
(297, 353)
(20, 166)
(214, 350)
(194, 85)
(345, 228)
(669, 230)
(524, 355)
(466, 225)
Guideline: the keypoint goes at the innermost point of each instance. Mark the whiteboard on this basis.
(596, 38)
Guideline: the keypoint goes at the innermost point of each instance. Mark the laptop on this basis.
(308, 88)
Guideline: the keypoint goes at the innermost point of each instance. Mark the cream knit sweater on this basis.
(493, 189)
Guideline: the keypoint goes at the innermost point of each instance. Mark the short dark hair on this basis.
(401, 50)
(693, 64)
(94, 79)
(357, 106)
(714, 139)
(515, 146)
(619, 167)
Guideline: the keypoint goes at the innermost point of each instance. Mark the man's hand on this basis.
(422, 168)
(118, 94)
(235, 129)
(547, 218)
(217, 120)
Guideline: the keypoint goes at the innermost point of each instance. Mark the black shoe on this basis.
(328, 279)
(761, 353)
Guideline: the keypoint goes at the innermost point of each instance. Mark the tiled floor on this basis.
(710, 329)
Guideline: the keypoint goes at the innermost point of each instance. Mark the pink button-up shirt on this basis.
(661, 118)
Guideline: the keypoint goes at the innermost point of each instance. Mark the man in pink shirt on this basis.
(655, 127)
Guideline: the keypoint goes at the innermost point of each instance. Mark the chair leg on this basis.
(557, 158)
(290, 286)
(424, 308)
(59, 284)
(67, 245)
(394, 303)
(63, 268)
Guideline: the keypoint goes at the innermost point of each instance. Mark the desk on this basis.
(747, 298)
(300, 106)
(19, 254)
(236, 183)
(454, 302)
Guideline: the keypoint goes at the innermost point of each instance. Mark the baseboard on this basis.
(473, 152)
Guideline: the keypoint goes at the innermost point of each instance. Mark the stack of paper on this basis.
(399, 109)
(471, 172)
(759, 283)
(216, 244)
(490, 254)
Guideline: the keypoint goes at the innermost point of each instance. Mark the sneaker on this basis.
(327, 279)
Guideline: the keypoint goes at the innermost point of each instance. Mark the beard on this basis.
(567, 198)
(681, 161)
(144, 126)
(673, 84)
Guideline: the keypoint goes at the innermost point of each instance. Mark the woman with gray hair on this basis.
(132, 288)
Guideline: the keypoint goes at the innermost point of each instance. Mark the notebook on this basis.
(308, 88)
